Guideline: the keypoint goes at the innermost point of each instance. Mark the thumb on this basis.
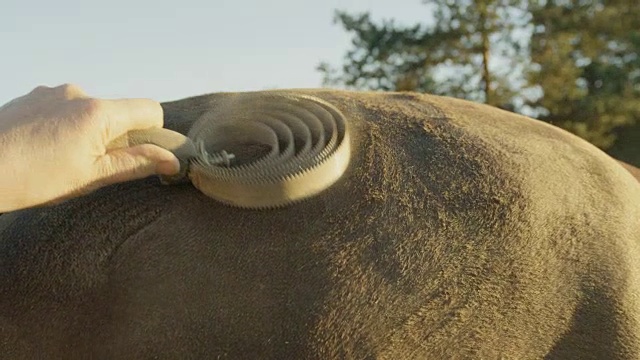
(136, 162)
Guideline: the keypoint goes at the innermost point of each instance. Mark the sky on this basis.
(168, 50)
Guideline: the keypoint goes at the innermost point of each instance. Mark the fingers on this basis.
(70, 91)
(116, 117)
(65, 91)
(124, 115)
(46, 93)
(126, 164)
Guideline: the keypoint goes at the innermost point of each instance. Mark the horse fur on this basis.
(459, 231)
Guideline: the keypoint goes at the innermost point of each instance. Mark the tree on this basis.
(586, 60)
(472, 50)
(573, 63)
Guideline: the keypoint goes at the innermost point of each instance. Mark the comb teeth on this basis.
(305, 147)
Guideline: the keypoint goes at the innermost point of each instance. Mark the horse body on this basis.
(458, 231)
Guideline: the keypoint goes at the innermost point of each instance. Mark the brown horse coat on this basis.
(459, 231)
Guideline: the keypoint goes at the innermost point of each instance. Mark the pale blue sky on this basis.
(169, 50)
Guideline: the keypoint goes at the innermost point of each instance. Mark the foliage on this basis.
(574, 63)
(586, 60)
(448, 57)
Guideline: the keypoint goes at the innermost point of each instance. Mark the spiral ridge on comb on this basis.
(286, 147)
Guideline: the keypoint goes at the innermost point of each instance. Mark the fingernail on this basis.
(168, 167)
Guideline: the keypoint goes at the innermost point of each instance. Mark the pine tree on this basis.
(573, 63)
(586, 60)
(472, 50)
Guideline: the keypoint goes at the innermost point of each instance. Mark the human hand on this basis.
(53, 145)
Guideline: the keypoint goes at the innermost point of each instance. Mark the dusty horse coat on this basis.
(458, 231)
